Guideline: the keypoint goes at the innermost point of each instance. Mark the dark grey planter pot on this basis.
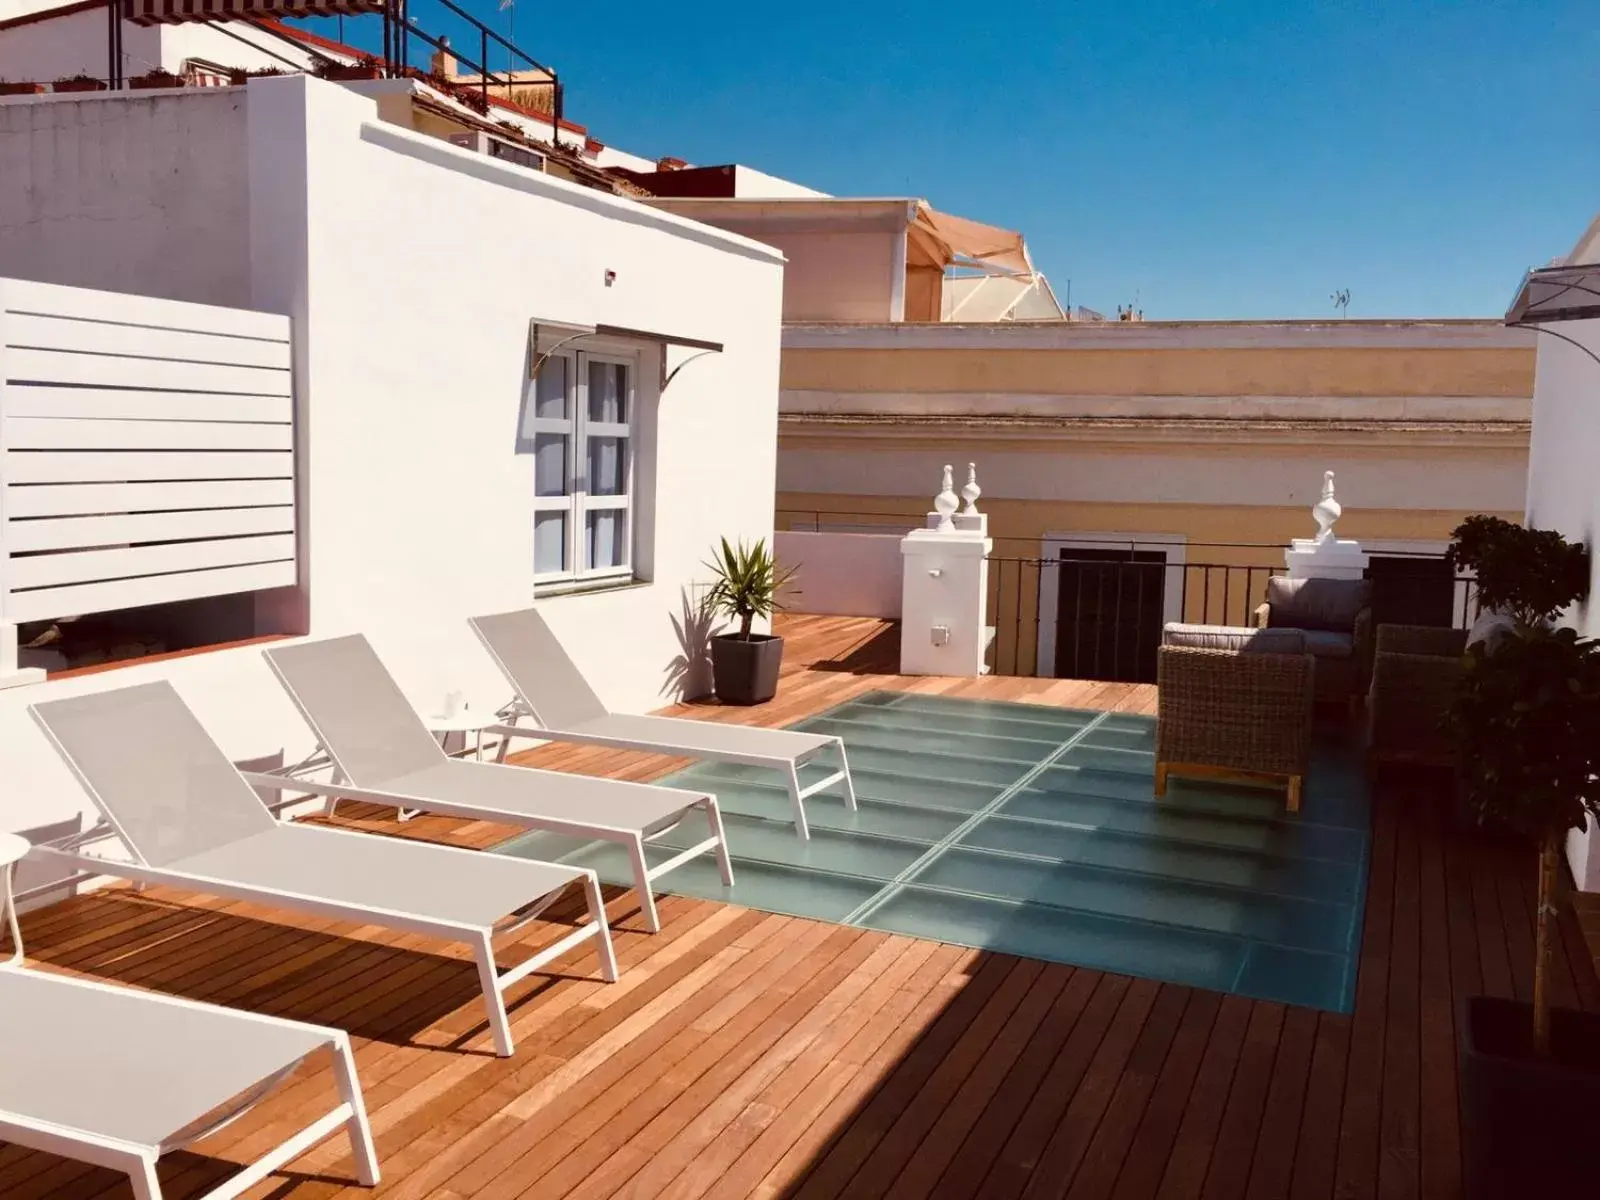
(746, 672)
(1528, 1125)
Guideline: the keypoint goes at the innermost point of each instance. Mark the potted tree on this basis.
(744, 665)
(365, 67)
(1527, 713)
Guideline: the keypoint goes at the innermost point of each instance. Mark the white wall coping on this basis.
(468, 162)
(1157, 335)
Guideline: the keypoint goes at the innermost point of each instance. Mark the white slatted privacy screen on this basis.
(146, 451)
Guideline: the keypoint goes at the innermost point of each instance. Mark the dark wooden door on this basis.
(1109, 607)
(1411, 591)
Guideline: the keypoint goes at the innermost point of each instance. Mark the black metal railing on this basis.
(1097, 611)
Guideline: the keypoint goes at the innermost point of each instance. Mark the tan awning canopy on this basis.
(953, 238)
(173, 12)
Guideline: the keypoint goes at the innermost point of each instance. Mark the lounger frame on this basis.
(633, 840)
(71, 853)
(788, 767)
(138, 1161)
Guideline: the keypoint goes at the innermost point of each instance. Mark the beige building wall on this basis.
(1209, 437)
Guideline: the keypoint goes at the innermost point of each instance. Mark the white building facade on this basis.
(413, 274)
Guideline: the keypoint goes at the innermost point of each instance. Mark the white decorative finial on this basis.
(972, 491)
(1326, 510)
(946, 503)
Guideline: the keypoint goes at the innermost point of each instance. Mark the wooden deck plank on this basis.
(1146, 1160)
(1228, 1173)
(749, 1055)
(1399, 1134)
(971, 1165)
(1105, 1155)
(1064, 1153)
(1272, 1172)
(1356, 1170)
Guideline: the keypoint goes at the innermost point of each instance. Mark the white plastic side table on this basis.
(13, 848)
(467, 721)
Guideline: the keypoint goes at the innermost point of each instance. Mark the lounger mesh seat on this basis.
(189, 819)
(384, 752)
(117, 1077)
(555, 694)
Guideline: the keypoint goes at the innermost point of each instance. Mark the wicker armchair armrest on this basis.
(1409, 700)
(1263, 615)
(1422, 639)
(1249, 712)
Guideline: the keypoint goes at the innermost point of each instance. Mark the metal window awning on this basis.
(173, 12)
(546, 337)
(1566, 293)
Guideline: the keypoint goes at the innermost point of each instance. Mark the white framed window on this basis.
(581, 421)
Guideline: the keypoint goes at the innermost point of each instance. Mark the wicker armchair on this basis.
(1336, 615)
(1234, 713)
(1414, 673)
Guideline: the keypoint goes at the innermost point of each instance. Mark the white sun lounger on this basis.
(118, 1078)
(383, 752)
(189, 820)
(552, 691)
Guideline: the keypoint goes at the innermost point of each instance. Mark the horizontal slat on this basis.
(140, 341)
(74, 533)
(20, 295)
(94, 566)
(155, 589)
(60, 366)
(111, 404)
(65, 466)
(65, 500)
(74, 433)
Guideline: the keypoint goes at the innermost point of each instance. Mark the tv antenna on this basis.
(1341, 301)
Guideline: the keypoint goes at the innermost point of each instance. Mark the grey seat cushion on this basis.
(1330, 604)
(1234, 637)
(1326, 644)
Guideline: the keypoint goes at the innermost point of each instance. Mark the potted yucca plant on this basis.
(1527, 715)
(745, 665)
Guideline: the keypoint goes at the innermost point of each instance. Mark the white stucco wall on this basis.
(845, 276)
(411, 271)
(751, 184)
(1564, 491)
(846, 574)
(50, 49)
(128, 191)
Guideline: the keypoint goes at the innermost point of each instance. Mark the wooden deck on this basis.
(743, 1054)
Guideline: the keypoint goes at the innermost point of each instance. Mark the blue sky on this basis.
(1216, 159)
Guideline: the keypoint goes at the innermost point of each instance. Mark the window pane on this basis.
(549, 542)
(608, 466)
(550, 394)
(606, 536)
(608, 392)
(550, 464)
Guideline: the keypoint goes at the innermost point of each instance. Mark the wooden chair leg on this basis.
(1161, 779)
(1294, 792)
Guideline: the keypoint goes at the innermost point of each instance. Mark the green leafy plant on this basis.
(1530, 575)
(747, 583)
(1527, 710)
